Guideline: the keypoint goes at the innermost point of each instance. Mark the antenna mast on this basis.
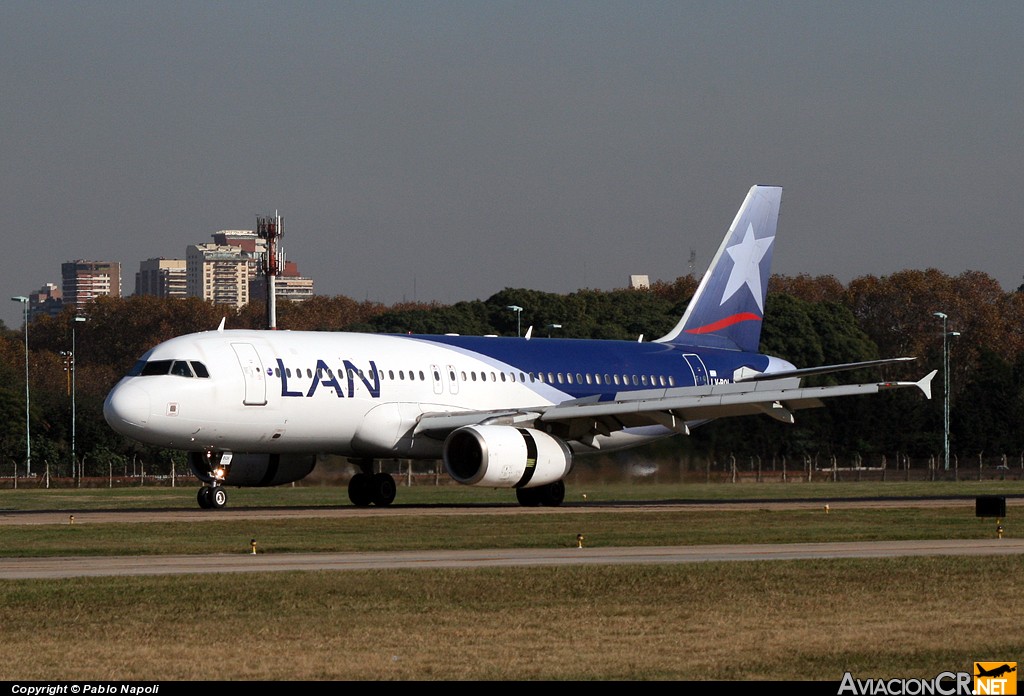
(271, 228)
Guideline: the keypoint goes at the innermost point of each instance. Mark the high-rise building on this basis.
(218, 273)
(161, 277)
(288, 286)
(46, 301)
(246, 240)
(230, 270)
(84, 281)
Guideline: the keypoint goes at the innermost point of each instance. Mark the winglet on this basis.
(220, 328)
(925, 384)
(529, 333)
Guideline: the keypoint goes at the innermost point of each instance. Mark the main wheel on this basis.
(552, 494)
(528, 497)
(383, 489)
(360, 490)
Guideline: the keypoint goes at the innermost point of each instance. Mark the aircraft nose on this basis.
(126, 405)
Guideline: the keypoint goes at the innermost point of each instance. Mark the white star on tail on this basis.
(746, 266)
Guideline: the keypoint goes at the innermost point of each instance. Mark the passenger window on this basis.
(579, 378)
(671, 381)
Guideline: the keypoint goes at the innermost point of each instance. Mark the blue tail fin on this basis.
(727, 309)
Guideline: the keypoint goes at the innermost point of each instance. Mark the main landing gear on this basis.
(550, 495)
(212, 497)
(367, 488)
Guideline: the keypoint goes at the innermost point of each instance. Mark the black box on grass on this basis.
(990, 506)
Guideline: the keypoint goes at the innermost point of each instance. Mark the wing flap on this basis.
(726, 400)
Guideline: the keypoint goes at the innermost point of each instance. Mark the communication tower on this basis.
(271, 228)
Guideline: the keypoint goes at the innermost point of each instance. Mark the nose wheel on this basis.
(212, 497)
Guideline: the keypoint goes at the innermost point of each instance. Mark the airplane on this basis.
(996, 671)
(256, 407)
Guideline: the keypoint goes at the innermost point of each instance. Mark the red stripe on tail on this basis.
(723, 323)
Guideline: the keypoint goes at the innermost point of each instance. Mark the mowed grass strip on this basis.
(812, 620)
(380, 531)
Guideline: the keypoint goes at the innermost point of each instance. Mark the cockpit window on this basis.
(180, 368)
(156, 367)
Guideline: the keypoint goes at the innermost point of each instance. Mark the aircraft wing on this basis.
(673, 408)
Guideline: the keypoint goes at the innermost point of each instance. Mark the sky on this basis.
(443, 151)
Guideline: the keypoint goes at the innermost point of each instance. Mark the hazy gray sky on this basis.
(446, 150)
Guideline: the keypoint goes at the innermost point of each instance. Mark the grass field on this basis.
(810, 620)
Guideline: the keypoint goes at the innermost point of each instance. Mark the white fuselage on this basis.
(359, 394)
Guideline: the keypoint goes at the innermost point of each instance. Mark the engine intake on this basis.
(250, 470)
(502, 456)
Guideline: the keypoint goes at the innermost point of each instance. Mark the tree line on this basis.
(808, 321)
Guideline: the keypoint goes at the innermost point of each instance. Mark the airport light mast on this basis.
(946, 334)
(271, 228)
(28, 433)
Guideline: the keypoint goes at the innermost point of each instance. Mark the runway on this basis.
(100, 566)
(69, 567)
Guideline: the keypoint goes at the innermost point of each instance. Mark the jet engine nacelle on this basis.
(250, 470)
(503, 456)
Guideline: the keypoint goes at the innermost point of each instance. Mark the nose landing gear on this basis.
(212, 497)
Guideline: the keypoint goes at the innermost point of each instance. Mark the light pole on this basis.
(552, 327)
(28, 437)
(74, 360)
(945, 391)
(519, 313)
